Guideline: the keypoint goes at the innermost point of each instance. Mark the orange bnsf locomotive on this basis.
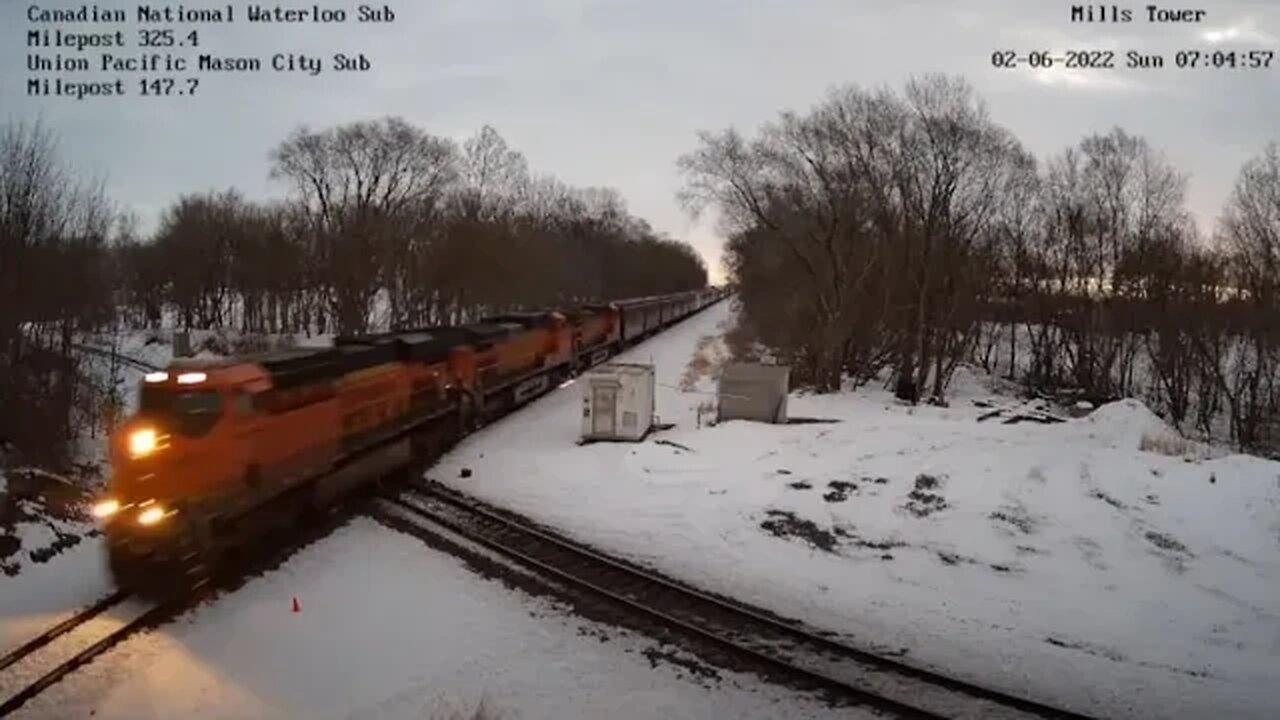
(220, 452)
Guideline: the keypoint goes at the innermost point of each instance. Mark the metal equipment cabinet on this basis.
(617, 402)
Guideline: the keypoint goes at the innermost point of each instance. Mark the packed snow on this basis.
(1101, 564)
(386, 629)
(44, 594)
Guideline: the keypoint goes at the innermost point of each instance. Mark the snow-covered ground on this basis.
(45, 594)
(1101, 564)
(389, 629)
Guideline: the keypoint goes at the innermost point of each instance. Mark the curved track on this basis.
(860, 677)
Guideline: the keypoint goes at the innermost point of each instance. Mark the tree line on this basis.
(384, 226)
(899, 234)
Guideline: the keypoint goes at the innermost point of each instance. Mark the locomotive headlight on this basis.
(151, 515)
(106, 508)
(142, 442)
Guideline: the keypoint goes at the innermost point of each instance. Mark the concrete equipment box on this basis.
(751, 391)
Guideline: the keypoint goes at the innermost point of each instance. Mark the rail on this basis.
(31, 646)
(862, 677)
(154, 615)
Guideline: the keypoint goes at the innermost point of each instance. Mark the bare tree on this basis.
(54, 283)
(1250, 233)
(869, 211)
(493, 176)
(359, 185)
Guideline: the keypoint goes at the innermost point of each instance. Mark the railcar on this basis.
(641, 317)
(220, 452)
(597, 333)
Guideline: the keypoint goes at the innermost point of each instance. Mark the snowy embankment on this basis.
(51, 563)
(1101, 564)
(42, 516)
(388, 629)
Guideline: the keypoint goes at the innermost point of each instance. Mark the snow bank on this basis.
(42, 515)
(1061, 561)
(32, 534)
(1129, 424)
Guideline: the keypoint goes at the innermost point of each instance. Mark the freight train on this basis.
(219, 453)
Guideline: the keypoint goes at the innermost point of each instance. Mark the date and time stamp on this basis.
(1187, 58)
(156, 50)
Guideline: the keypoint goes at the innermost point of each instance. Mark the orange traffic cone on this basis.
(297, 606)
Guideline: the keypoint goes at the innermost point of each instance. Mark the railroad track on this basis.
(47, 658)
(865, 679)
(39, 663)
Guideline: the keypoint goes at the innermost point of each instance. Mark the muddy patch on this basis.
(1173, 552)
(1164, 542)
(694, 668)
(1090, 552)
(871, 485)
(840, 490)
(1100, 495)
(926, 482)
(588, 631)
(671, 443)
(1089, 648)
(922, 501)
(786, 525)
(1014, 518)
(855, 539)
(952, 558)
(1116, 656)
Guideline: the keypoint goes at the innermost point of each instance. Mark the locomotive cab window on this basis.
(191, 413)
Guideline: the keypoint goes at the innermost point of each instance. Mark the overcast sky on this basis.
(611, 92)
